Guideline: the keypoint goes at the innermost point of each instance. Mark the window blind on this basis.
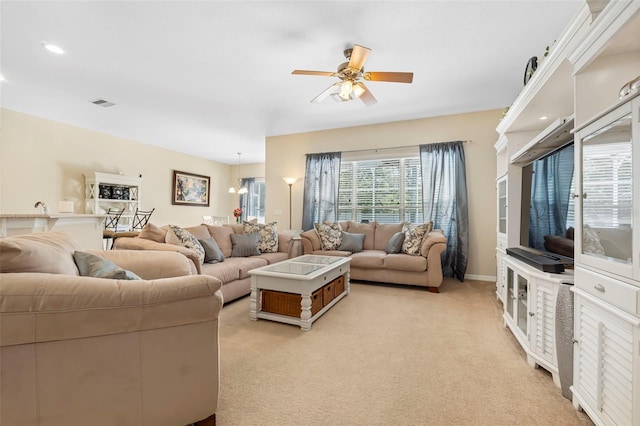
(607, 181)
(386, 191)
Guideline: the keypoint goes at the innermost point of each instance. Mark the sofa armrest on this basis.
(40, 307)
(310, 241)
(434, 238)
(149, 264)
(284, 239)
(127, 243)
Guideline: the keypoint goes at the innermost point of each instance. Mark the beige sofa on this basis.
(374, 264)
(79, 350)
(233, 271)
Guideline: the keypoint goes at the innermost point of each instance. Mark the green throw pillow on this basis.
(91, 265)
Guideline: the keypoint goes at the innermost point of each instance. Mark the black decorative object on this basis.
(532, 65)
(104, 191)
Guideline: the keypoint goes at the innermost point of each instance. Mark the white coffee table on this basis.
(299, 278)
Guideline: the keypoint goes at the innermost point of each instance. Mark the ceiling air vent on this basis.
(102, 103)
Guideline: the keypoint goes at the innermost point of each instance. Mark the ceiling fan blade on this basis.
(322, 96)
(395, 77)
(366, 96)
(306, 72)
(359, 54)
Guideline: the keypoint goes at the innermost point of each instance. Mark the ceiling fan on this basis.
(351, 74)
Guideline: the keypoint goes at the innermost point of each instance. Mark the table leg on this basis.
(305, 313)
(253, 304)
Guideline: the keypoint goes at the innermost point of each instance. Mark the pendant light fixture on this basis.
(240, 189)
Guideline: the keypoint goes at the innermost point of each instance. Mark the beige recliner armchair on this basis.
(79, 350)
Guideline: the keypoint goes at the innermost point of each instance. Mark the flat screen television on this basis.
(547, 216)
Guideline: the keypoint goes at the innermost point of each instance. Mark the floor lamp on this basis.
(290, 181)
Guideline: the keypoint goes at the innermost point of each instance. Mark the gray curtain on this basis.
(550, 187)
(444, 198)
(247, 201)
(321, 180)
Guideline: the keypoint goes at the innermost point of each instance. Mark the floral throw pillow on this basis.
(413, 235)
(330, 235)
(181, 237)
(267, 235)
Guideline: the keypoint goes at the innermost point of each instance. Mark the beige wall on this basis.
(45, 160)
(285, 156)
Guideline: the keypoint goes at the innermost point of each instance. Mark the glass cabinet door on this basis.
(607, 191)
(511, 292)
(523, 302)
(502, 206)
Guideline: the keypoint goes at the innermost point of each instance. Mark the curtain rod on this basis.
(393, 147)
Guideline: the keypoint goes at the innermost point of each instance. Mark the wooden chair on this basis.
(140, 219)
(111, 226)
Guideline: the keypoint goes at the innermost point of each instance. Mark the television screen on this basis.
(547, 184)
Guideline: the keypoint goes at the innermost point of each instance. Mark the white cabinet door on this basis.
(543, 320)
(604, 362)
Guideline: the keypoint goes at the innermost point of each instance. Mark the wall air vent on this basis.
(102, 103)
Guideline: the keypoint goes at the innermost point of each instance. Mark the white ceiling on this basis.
(213, 78)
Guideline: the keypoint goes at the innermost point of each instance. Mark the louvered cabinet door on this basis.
(542, 314)
(604, 363)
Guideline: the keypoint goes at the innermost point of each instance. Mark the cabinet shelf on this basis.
(127, 186)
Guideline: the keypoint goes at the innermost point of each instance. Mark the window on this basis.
(258, 197)
(252, 203)
(386, 191)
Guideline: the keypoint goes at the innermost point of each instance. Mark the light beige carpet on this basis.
(386, 355)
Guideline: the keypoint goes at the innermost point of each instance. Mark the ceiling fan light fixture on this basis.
(358, 90)
(345, 90)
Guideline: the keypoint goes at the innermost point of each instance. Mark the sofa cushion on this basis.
(153, 232)
(244, 245)
(273, 257)
(222, 235)
(352, 242)
(395, 243)
(368, 229)
(384, 232)
(91, 265)
(226, 271)
(404, 262)
(368, 259)
(212, 253)
(330, 235)
(181, 237)
(200, 231)
(50, 252)
(413, 235)
(245, 264)
(268, 235)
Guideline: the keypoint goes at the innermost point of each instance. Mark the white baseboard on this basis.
(491, 278)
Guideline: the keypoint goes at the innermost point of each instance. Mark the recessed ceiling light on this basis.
(544, 117)
(53, 48)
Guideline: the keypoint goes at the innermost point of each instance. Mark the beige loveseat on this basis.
(373, 263)
(233, 271)
(80, 350)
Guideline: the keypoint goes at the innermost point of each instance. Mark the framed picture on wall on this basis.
(190, 189)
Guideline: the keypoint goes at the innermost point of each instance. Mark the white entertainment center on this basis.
(577, 87)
